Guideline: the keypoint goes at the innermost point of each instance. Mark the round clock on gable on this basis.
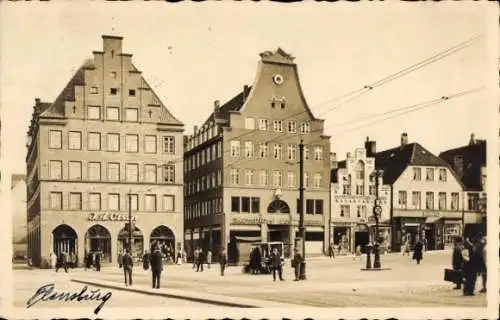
(278, 79)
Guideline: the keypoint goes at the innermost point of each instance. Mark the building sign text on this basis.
(106, 216)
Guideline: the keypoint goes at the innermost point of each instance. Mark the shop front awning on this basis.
(247, 239)
(432, 219)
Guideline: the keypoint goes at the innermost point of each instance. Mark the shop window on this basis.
(309, 206)
(255, 204)
(245, 204)
(235, 204)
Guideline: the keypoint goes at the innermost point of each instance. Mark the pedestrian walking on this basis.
(72, 259)
(156, 267)
(407, 246)
(277, 264)
(201, 258)
(120, 258)
(331, 251)
(209, 258)
(184, 256)
(98, 257)
(222, 261)
(417, 250)
(179, 258)
(458, 262)
(296, 264)
(471, 266)
(195, 257)
(62, 261)
(482, 264)
(128, 264)
(145, 260)
(90, 260)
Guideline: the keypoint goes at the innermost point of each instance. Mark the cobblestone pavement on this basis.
(331, 283)
(27, 281)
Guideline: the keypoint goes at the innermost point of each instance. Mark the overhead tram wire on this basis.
(412, 68)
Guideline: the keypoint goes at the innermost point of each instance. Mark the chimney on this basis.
(404, 139)
(333, 160)
(472, 139)
(195, 130)
(216, 106)
(348, 155)
(370, 147)
(246, 91)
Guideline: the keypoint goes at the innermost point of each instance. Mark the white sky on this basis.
(193, 54)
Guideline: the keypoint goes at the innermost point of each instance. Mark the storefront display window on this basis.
(450, 232)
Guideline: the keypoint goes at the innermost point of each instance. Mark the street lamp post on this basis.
(302, 229)
(377, 210)
(130, 221)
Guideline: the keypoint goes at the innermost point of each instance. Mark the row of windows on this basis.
(345, 211)
(204, 183)
(112, 113)
(112, 202)
(113, 91)
(359, 189)
(277, 176)
(429, 200)
(277, 125)
(94, 172)
(94, 142)
(203, 208)
(263, 151)
(202, 157)
(429, 174)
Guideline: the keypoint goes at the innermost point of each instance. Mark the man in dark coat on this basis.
(62, 261)
(156, 267)
(98, 256)
(222, 261)
(90, 260)
(127, 267)
(296, 263)
(120, 259)
(417, 250)
(458, 261)
(277, 264)
(471, 266)
(145, 260)
(201, 258)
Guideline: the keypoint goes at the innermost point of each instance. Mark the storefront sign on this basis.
(252, 220)
(430, 214)
(106, 216)
(273, 220)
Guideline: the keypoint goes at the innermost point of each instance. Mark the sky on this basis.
(193, 54)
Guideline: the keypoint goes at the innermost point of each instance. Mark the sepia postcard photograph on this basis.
(255, 160)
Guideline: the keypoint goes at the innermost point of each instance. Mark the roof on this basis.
(394, 161)
(474, 158)
(334, 173)
(234, 104)
(15, 179)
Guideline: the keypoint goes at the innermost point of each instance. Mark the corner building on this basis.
(242, 168)
(107, 135)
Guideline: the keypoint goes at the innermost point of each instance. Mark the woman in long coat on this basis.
(417, 250)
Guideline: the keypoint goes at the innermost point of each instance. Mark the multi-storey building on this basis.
(469, 163)
(353, 193)
(426, 195)
(106, 146)
(242, 167)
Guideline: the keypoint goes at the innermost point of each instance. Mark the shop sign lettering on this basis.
(431, 214)
(106, 216)
(261, 220)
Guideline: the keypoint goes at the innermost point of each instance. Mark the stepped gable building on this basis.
(107, 141)
(469, 164)
(426, 195)
(242, 167)
(353, 197)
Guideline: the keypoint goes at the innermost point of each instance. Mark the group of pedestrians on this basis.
(93, 259)
(200, 258)
(66, 261)
(469, 261)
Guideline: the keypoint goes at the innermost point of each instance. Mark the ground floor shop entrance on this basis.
(165, 239)
(137, 242)
(98, 238)
(342, 239)
(65, 240)
(240, 245)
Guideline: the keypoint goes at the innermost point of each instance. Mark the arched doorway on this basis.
(98, 238)
(137, 241)
(164, 237)
(64, 240)
(278, 206)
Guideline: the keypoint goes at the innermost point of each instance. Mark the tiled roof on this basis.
(234, 104)
(394, 161)
(67, 94)
(474, 157)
